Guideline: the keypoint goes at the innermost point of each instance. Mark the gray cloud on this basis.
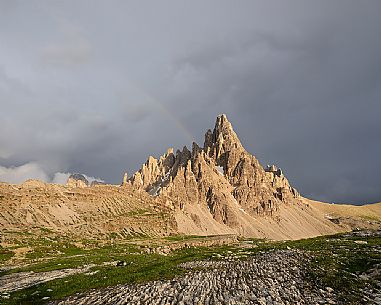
(74, 50)
(22, 173)
(98, 88)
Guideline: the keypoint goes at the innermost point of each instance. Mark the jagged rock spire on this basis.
(222, 139)
(222, 175)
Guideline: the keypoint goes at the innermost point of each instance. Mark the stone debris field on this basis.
(275, 277)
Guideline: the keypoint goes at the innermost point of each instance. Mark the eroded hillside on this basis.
(83, 211)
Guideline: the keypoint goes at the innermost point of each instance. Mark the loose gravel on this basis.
(269, 278)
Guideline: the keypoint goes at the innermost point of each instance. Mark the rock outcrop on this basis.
(221, 176)
(77, 180)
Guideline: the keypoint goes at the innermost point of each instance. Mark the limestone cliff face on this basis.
(256, 190)
(221, 176)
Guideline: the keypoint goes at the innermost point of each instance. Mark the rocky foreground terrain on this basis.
(270, 278)
(276, 277)
(339, 269)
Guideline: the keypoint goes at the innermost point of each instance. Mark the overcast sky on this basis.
(97, 86)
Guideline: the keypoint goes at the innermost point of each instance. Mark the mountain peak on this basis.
(222, 122)
(221, 177)
(223, 138)
(222, 119)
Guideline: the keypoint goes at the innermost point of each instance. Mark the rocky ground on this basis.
(339, 269)
(16, 281)
(21, 280)
(276, 277)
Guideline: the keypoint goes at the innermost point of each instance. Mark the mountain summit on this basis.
(218, 186)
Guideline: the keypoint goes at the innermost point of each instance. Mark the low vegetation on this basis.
(5, 255)
(338, 261)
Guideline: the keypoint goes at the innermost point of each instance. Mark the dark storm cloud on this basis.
(99, 88)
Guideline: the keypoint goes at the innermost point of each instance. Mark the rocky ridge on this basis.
(221, 176)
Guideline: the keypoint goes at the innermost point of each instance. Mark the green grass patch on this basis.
(5, 255)
(370, 217)
(139, 212)
(140, 268)
(74, 258)
(338, 260)
(184, 237)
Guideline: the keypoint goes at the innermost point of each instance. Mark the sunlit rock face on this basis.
(221, 175)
